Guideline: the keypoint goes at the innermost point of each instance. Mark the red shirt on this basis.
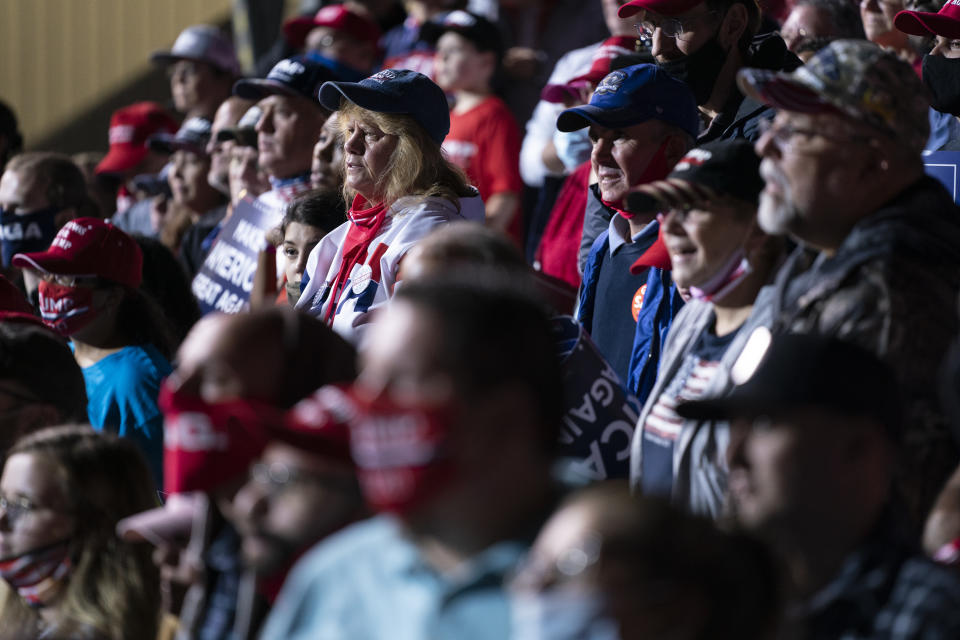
(485, 142)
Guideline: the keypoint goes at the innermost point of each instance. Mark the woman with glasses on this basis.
(89, 292)
(62, 492)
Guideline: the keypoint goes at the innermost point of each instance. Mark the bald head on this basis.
(278, 355)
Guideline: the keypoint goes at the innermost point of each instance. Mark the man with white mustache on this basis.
(879, 261)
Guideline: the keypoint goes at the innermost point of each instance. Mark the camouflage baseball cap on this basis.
(855, 78)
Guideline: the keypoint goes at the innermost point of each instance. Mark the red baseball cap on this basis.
(89, 247)
(318, 425)
(336, 17)
(945, 22)
(663, 7)
(129, 129)
(610, 49)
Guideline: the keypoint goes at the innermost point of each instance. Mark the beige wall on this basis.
(58, 58)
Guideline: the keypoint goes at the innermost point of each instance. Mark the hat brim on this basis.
(167, 143)
(364, 97)
(656, 256)
(782, 91)
(163, 525)
(577, 118)
(727, 408)
(923, 23)
(45, 263)
(121, 160)
(166, 58)
(260, 88)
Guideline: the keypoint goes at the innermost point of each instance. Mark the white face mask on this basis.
(561, 614)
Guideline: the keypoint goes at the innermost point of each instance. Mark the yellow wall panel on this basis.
(58, 57)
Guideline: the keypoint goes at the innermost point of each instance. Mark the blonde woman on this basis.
(398, 185)
(67, 575)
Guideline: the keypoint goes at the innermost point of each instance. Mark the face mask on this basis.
(23, 233)
(399, 451)
(573, 148)
(207, 444)
(942, 77)
(66, 309)
(559, 614)
(293, 292)
(699, 70)
(39, 574)
(725, 280)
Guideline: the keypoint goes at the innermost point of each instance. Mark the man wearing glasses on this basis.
(705, 43)
(880, 264)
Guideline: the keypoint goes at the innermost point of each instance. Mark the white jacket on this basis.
(372, 279)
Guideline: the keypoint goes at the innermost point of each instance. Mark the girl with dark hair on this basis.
(309, 218)
(89, 291)
(165, 281)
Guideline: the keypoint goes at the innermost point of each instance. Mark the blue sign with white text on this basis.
(225, 280)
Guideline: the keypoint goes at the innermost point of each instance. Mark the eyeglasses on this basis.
(69, 281)
(16, 508)
(681, 29)
(793, 138)
(277, 476)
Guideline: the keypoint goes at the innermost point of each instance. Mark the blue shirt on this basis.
(369, 582)
(122, 393)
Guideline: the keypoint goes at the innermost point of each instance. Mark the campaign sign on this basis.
(945, 167)
(599, 416)
(225, 280)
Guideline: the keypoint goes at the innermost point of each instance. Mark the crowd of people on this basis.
(678, 358)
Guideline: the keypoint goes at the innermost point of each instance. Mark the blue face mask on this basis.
(561, 614)
(573, 148)
(342, 71)
(22, 233)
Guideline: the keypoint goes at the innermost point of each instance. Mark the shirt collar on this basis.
(619, 230)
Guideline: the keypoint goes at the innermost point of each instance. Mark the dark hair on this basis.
(313, 355)
(114, 588)
(753, 18)
(317, 208)
(140, 320)
(165, 281)
(62, 180)
(495, 333)
(42, 363)
(842, 14)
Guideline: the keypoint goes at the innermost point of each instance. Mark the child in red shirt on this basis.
(484, 138)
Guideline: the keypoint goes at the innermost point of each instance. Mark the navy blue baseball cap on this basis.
(296, 76)
(633, 95)
(395, 91)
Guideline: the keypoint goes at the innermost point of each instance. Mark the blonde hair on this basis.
(114, 589)
(417, 166)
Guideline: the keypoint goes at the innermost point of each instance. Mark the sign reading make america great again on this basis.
(225, 280)
(599, 416)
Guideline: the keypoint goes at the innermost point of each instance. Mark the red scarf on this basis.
(365, 224)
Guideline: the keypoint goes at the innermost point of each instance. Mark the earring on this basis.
(884, 165)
